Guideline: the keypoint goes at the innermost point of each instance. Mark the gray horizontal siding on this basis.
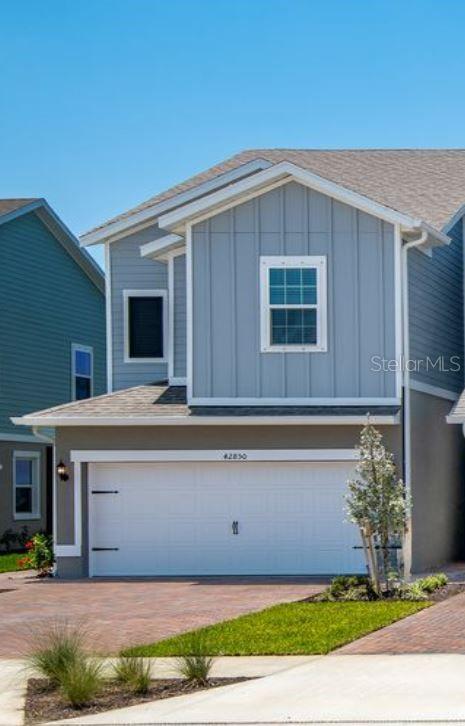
(436, 312)
(130, 271)
(292, 220)
(47, 303)
(179, 342)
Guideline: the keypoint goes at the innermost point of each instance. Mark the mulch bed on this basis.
(447, 591)
(45, 704)
(442, 593)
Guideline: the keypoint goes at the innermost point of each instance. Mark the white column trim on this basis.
(108, 318)
(189, 312)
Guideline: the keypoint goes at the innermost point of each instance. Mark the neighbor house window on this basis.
(26, 484)
(82, 364)
(293, 304)
(145, 318)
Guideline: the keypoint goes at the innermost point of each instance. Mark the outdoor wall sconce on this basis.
(62, 471)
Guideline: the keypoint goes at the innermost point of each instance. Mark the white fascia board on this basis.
(454, 219)
(261, 179)
(322, 420)
(145, 216)
(433, 390)
(161, 248)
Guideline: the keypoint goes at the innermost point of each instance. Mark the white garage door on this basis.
(202, 518)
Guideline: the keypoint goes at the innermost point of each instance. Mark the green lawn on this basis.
(9, 562)
(299, 628)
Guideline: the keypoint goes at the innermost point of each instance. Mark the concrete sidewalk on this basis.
(14, 674)
(346, 689)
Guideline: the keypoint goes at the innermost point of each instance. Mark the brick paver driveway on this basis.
(437, 629)
(119, 613)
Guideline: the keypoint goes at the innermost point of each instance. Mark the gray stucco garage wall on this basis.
(438, 488)
(292, 220)
(186, 437)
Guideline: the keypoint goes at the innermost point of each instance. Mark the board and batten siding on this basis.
(179, 317)
(292, 220)
(130, 271)
(47, 302)
(436, 314)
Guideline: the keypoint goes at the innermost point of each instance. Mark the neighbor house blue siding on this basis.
(292, 220)
(47, 303)
(436, 314)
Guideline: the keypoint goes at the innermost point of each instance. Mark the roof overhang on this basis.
(142, 218)
(64, 235)
(164, 248)
(192, 420)
(193, 212)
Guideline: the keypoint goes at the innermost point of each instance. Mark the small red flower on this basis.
(29, 545)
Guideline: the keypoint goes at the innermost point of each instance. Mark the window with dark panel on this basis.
(82, 371)
(145, 320)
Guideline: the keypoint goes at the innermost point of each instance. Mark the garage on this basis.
(220, 518)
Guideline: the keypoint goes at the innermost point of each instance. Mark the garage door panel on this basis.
(176, 519)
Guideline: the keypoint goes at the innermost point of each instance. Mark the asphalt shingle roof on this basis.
(163, 400)
(424, 183)
(10, 205)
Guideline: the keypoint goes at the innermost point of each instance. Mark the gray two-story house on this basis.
(52, 350)
(255, 314)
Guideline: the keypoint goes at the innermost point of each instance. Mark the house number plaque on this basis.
(234, 456)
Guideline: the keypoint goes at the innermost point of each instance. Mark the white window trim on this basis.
(35, 456)
(75, 347)
(145, 293)
(314, 261)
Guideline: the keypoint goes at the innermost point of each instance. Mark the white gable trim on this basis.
(161, 249)
(119, 228)
(259, 183)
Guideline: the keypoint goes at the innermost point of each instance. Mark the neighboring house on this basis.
(52, 348)
(255, 314)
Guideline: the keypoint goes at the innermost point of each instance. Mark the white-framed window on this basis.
(26, 484)
(145, 326)
(82, 371)
(293, 304)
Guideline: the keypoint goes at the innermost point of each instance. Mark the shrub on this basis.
(420, 589)
(57, 651)
(433, 582)
(412, 591)
(81, 682)
(195, 664)
(23, 536)
(39, 554)
(348, 587)
(133, 672)
(8, 539)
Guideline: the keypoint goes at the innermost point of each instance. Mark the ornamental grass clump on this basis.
(195, 664)
(55, 651)
(81, 682)
(134, 673)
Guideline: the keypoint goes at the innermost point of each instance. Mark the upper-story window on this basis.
(26, 484)
(293, 304)
(82, 373)
(145, 326)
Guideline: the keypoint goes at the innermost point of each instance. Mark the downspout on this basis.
(406, 384)
(42, 437)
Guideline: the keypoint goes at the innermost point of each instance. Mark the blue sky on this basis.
(103, 103)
